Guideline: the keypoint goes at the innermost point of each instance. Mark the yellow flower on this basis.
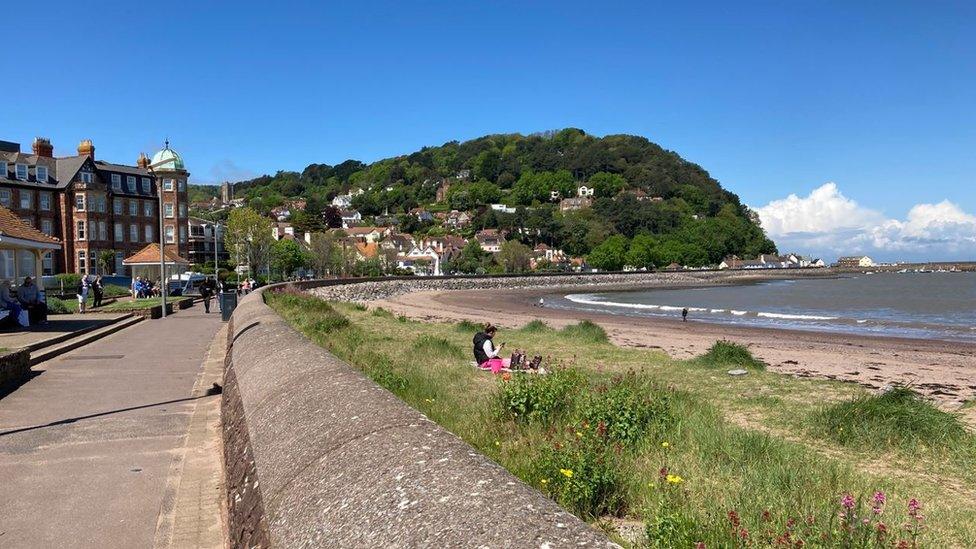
(498, 443)
(579, 434)
(568, 473)
(665, 444)
(544, 481)
(675, 479)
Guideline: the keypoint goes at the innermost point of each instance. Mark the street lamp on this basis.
(162, 238)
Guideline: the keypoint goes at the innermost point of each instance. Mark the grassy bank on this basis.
(695, 454)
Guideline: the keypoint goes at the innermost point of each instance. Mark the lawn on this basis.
(694, 454)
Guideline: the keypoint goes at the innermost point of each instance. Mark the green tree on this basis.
(287, 257)
(106, 261)
(472, 259)
(248, 238)
(607, 185)
(641, 253)
(610, 255)
(514, 256)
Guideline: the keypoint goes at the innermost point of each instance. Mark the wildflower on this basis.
(847, 501)
(674, 479)
(790, 522)
(663, 473)
(766, 516)
(579, 434)
(879, 498)
(498, 443)
(544, 481)
(734, 519)
(601, 429)
(665, 444)
(700, 545)
(568, 473)
(913, 507)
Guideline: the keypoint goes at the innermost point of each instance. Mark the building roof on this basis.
(167, 159)
(369, 250)
(12, 227)
(150, 256)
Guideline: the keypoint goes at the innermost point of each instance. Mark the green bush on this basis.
(69, 280)
(582, 474)
(114, 290)
(627, 409)
(468, 326)
(543, 398)
(57, 306)
(726, 353)
(535, 326)
(586, 332)
(381, 313)
(899, 418)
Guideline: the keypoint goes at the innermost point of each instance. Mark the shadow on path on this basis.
(100, 414)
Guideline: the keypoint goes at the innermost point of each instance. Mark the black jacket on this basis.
(479, 347)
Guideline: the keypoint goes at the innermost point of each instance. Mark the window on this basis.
(182, 184)
(102, 230)
(42, 174)
(101, 204)
(25, 264)
(45, 200)
(118, 232)
(116, 182)
(133, 207)
(80, 202)
(167, 184)
(7, 264)
(87, 177)
(145, 185)
(182, 210)
(47, 263)
(47, 227)
(5, 197)
(148, 232)
(133, 233)
(117, 206)
(26, 199)
(130, 183)
(182, 233)
(147, 208)
(81, 262)
(80, 230)
(169, 234)
(168, 209)
(21, 172)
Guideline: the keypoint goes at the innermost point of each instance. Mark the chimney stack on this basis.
(143, 161)
(42, 147)
(86, 147)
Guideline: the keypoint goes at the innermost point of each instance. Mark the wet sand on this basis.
(945, 371)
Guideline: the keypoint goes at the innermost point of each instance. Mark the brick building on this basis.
(94, 206)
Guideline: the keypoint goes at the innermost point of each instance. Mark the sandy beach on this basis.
(945, 371)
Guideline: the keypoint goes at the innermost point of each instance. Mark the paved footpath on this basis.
(94, 449)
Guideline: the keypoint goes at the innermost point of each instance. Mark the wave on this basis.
(795, 317)
(589, 299)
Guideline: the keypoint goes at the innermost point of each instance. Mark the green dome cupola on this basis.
(167, 159)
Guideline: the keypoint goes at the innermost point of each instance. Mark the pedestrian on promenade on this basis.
(97, 291)
(83, 288)
(207, 290)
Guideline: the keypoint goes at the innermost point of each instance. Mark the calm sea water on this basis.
(920, 305)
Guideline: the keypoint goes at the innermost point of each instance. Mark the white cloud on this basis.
(829, 224)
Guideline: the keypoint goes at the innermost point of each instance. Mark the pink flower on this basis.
(913, 507)
(879, 498)
(848, 501)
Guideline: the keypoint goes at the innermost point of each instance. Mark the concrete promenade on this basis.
(95, 449)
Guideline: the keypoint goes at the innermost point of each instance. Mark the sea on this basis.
(925, 305)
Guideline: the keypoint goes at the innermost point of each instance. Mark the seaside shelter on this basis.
(145, 263)
(22, 248)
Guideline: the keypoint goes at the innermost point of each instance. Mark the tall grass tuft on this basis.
(586, 332)
(382, 313)
(899, 418)
(432, 345)
(726, 353)
(467, 326)
(535, 327)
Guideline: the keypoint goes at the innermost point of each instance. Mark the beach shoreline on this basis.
(942, 370)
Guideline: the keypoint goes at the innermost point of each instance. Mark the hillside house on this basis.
(858, 262)
(350, 218)
(368, 234)
(491, 240)
(571, 204)
(583, 191)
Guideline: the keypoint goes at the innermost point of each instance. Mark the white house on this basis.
(503, 208)
(855, 261)
(583, 191)
(342, 201)
(350, 218)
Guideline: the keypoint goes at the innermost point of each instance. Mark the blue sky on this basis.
(772, 98)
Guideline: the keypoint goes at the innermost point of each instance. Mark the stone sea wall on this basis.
(318, 455)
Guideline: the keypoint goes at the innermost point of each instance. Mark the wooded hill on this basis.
(682, 213)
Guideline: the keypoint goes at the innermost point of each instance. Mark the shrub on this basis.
(535, 326)
(586, 332)
(114, 290)
(359, 307)
(581, 473)
(898, 418)
(69, 280)
(467, 326)
(726, 353)
(57, 306)
(543, 398)
(627, 409)
(427, 344)
(382, 313)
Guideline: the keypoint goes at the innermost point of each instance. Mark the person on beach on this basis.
(542, 302)
(485, 352)
(684, 314)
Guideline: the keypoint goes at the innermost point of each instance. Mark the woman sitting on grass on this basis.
(485, 352)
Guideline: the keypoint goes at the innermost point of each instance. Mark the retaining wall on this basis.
(14, 367)
(318, 455)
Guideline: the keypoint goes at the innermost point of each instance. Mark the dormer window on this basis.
(130, 182)
(22, 172)
(42, 174)
(86, 177)
(116, 182)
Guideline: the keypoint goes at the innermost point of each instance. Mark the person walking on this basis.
(97, 291)
(207, 290)
(83, 288)
(684, 314)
